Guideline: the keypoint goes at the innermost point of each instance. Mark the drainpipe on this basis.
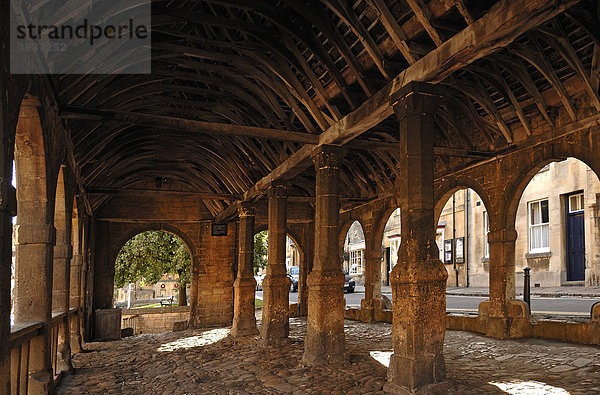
(467, 236)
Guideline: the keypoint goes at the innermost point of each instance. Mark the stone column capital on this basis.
(417, 98)
(35, 234)
(246, 210)
(63, 251)
(278, 190)
(328, 156)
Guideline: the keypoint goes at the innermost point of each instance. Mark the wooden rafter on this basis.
(423, 14)
(496, 29)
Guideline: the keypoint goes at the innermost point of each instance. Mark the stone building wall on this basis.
(553, 182)
(213, 257)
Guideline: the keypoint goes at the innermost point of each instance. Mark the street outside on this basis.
(564, 305)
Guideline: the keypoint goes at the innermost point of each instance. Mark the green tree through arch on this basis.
(149, 255)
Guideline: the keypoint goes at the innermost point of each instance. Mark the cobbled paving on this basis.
(210, 361)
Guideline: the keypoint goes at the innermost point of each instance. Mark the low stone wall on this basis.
(522, 325)
(154, 320)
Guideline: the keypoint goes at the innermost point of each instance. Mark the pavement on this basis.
(210, 362)
(543, 292)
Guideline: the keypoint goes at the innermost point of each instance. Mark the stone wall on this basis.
(213, 257)
(213, 276)
(155, 320)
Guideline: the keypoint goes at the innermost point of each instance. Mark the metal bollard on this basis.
(527, 287)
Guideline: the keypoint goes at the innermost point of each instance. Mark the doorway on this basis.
(575, 232)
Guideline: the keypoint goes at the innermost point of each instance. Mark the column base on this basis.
(431, 389)
(419, 316)
(367, 311)
(40, 382)
(416, 375)
(64, 358)
(514, 325)
(275, 318)
(244, 319)
(325, 341)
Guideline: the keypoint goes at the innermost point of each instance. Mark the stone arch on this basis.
(61, 266)
(450, 185)
(298, 241)
(154, 227)
(76, 281)
(162, 227)
(474, 267)
(549, 262)
(34, 218)
(35, 237)
(533, 165)
(379, 241)
(344, 229)
(381, 223)
(62, 248)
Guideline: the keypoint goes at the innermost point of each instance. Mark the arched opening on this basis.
(556, 219)
(153, 269)
(61, 264)
(390, 243)
(293, 259)
(461, 235)
(31, 256)
(61, 267)
(75, 283)
(354, 257)
(33, 239)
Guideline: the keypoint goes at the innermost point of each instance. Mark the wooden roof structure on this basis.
(243, 92)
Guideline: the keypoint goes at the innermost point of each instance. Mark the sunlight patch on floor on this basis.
(206, 338)
(383, 357)
(530, 388)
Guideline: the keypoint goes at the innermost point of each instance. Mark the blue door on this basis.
(575, 242)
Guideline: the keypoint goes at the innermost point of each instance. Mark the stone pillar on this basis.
(502, 281)
(276, 285)
(33, 296)
(60, 300)
(88, 248)
(372, 282)
(305, 268)
(75, 302)
(244, 320)
(419, 279)
(325, 342)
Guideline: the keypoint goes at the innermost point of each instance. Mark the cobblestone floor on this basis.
(208, 361)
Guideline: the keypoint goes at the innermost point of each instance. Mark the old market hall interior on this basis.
(395, 151)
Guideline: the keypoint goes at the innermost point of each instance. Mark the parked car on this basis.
(350, 284)
(259, 281)
(294, 275)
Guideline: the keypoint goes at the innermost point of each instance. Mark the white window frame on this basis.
(356, 261)
(538, 227)
(581, 202)
(394, 247)
(486, 230)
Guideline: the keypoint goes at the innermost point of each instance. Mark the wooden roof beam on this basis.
(158, 192)
(464, 11)
(500, 26)
(186, 125)
(423, 14)
(388, 20)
